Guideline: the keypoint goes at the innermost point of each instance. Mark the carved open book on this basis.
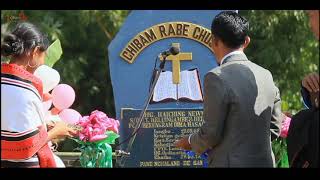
(189, 88)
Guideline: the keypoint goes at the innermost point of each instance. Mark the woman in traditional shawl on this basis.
(24, 134)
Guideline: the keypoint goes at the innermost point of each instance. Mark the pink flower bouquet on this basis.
(279, 145)
(285, 127)
(97, 132)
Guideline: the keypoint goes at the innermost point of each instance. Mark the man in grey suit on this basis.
(242, 106)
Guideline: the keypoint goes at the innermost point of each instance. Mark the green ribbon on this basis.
(96, 156)
(279, 147)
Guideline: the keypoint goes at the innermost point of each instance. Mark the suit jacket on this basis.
(242, 114)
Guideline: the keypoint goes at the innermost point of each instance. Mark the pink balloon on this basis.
(63, 96)
(70, 116)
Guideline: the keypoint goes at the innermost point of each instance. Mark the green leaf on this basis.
(54, 53)
(284, 105)
(110, 139)
(78, 141)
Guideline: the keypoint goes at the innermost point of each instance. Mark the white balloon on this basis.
(47, 104)
(55, 118)
(49, 117)
(50, 77)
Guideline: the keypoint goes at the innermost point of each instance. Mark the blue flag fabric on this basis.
(203, 156)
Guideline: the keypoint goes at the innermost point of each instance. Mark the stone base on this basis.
(70, 159)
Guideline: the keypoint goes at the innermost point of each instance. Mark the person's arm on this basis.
(214, 114)
(60, 130)
(277, 116)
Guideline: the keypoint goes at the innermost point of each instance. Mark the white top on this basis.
(229, 54)
(21, 111)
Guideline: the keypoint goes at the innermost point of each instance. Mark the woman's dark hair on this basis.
(230, 28)
(23, 39)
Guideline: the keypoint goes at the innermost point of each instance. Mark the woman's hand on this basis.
(61, 130)
(50, 125)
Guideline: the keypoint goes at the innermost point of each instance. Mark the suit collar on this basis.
(234, 56)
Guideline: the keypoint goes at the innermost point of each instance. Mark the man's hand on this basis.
(311, 82)
(183, 143)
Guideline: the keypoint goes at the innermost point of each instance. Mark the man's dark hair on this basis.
(230, 28)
